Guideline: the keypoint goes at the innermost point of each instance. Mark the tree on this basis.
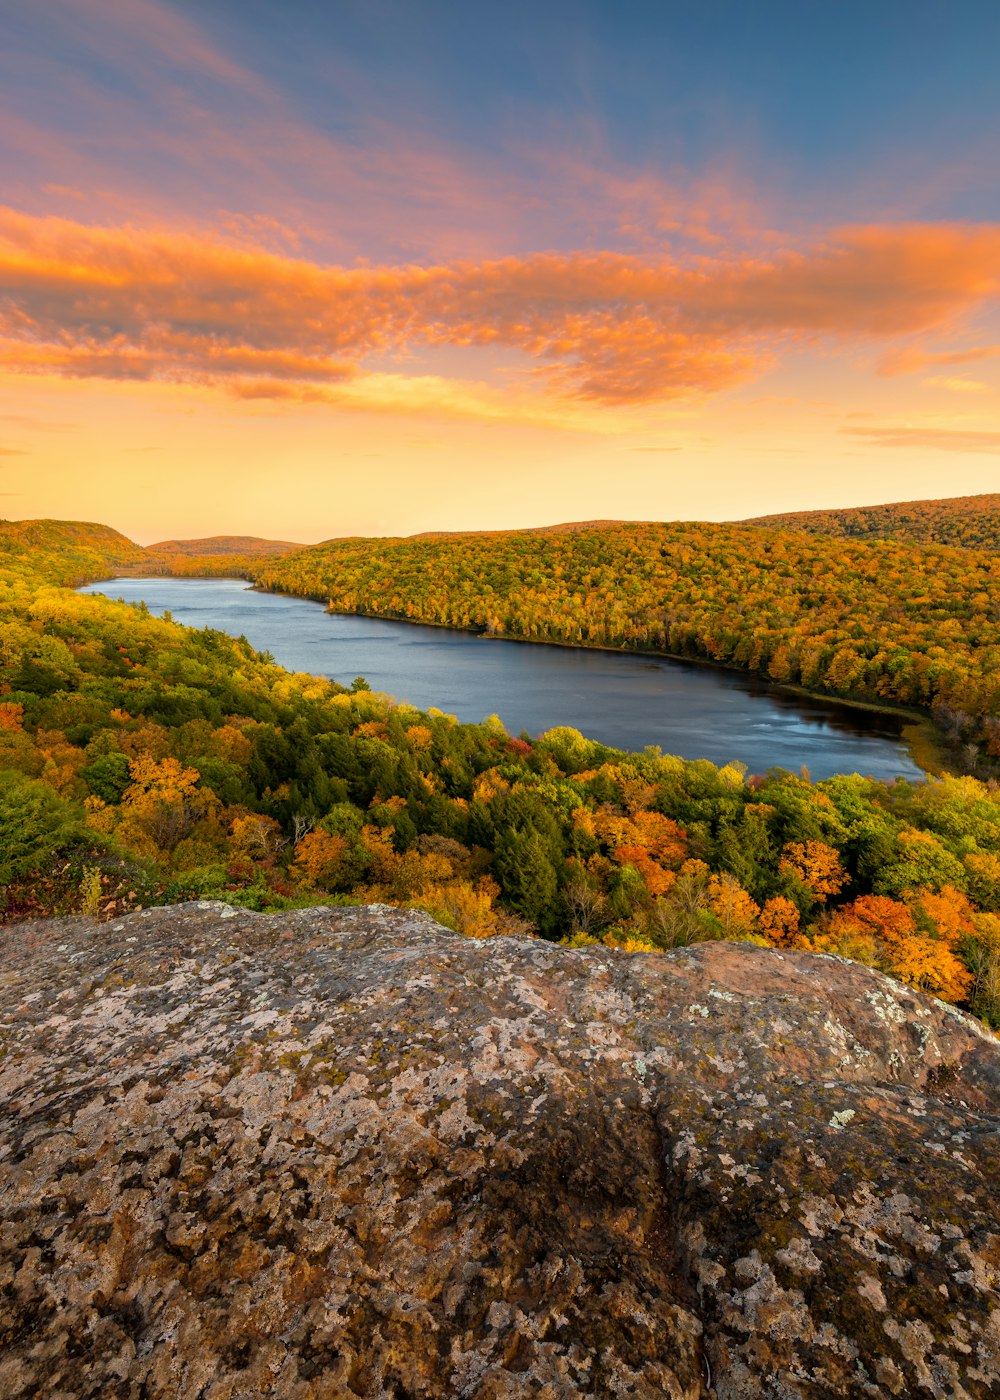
(162, 802)
(926, 958)
(586, 903)
(256, 837)
(318, 859)
(33, 823)
(816, 866)
(732, 906)
(779, 923)
(527, 876)
(921, 860)
(981, 955)
(683, 916)
(108, 777)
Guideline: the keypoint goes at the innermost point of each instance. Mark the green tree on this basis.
(108, 777)
(527, 876)
(34, 822)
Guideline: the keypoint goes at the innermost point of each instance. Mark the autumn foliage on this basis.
(899, 621)
(970, 522)
(916, 940)
(142, 762)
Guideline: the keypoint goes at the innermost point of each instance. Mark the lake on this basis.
(624, 700)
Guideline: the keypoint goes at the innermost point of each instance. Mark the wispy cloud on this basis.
(955, 385)
(910, 359)
(933, 439)
(434, 396)
(34, 422)
(135, 109)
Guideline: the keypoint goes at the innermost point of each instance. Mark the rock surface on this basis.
(341, 1153)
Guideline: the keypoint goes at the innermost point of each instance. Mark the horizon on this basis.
(552, 525)
(405, 271)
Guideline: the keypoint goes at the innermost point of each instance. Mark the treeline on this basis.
(142, 762)
(243, 546)
(968, 522)
(917, 626)
(198, 566)
(220, 556)
(75, 552)
(70, 552)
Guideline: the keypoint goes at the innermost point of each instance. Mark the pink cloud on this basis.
(609, 327)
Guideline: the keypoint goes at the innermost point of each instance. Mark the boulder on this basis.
(345, 1152)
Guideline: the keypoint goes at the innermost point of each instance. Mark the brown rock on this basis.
(377, 1159)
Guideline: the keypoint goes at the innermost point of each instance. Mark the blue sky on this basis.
(732, 258)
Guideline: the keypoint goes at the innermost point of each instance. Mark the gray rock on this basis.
(341, 1153)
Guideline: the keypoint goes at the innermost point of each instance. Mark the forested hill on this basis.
(72, 552)
(251, 545)
(65, 551)
(142, 762)
(888, 621)
(917, 625)
(566, 527)
(970, 522)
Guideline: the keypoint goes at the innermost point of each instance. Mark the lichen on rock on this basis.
(337, 1153)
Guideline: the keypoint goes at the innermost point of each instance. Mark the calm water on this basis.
(627, 701)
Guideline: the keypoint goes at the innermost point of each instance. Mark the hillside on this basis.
(568, 527)
(250, 546)
(72, 552)
(347, 1153)
(888, 622)
(67, 552)
(142, 763)
(969, 522)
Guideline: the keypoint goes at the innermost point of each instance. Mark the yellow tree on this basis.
(317, 862)
(734, 908)
(161, 805)
(816, 865)
(779, 923)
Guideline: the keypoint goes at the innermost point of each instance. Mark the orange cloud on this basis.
(909, 359)
(954, 384)
(611, 328)
(435, 396)
(933, 439)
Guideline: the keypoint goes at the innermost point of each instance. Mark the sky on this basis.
(309, 268)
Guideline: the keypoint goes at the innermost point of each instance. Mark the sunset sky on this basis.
(326, 267)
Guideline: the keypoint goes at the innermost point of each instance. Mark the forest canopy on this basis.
(886, 622)
(970, 522)
(142, 762)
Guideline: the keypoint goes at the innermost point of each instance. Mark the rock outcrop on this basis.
(345, 1152)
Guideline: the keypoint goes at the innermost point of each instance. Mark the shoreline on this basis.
(918, 733)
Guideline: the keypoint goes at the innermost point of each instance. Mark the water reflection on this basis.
(628, 701)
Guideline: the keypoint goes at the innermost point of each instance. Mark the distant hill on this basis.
(970, 522)
(243, 545)
(66, 551)
(73, 552)
(568, 528)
